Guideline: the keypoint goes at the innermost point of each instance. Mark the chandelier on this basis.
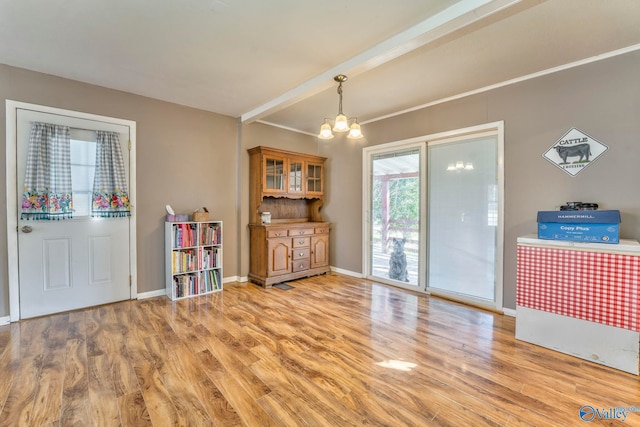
(341, 123)
(460, 166)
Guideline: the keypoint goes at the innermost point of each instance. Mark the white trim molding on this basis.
(152, 294)
(347, 272)
(509, 312)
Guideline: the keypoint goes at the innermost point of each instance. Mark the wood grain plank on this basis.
(103, 405)
(133, 411)
(189, 409)
(244, 404)
(244, 377)
(159, 401)
(75, 394)
(19, 404)
(219, 408)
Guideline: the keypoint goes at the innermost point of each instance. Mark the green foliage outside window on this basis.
(404, 200)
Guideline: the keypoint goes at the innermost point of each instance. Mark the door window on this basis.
(83, 167)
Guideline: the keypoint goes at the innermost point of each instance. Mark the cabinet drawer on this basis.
(300, 232)
(277, 233)
(322, 230)
(300, 242)
(301, 264)
(300, 253)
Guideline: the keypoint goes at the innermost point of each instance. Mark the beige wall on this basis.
(185, 157)
(602, 99)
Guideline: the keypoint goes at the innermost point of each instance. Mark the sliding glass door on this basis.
(434, 214)
(463, 218)
(394, 221)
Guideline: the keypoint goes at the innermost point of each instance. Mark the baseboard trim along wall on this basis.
(347, 272)
(5, 320)
(152, 294)
(509, 312)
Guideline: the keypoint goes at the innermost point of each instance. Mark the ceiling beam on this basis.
(461, 14)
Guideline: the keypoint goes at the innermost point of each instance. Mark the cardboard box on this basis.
(580, 226)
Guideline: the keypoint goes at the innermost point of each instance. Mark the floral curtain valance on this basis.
(110, 192)
(47, 184)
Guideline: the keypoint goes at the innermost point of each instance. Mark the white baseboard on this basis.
(152, 294)
(509, 312)
(5, 320)
(347, 272)
(243, 279)
(234, 279)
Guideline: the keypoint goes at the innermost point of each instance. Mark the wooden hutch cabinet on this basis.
(296, 243)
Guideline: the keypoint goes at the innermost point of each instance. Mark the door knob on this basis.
(27, 229)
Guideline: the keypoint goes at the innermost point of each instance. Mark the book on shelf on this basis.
(211, 234)
(216, 280)
(185, 235)
(184, 261)
(211, 258)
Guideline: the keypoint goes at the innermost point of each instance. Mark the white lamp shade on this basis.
(355, 132)
(341, 124)
(325, 131)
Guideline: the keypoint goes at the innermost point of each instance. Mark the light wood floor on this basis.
(333, 351)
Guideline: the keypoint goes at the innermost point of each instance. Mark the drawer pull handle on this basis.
(301, 253)
(301, 241)
(301, 232)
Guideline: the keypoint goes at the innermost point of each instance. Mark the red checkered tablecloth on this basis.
(594, 286)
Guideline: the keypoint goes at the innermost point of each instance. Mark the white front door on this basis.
(74, 263)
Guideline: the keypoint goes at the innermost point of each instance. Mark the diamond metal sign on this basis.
(574, 151)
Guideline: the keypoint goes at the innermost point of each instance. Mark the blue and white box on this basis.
(580, 226)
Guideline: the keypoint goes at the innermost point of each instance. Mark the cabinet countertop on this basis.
(625, 245)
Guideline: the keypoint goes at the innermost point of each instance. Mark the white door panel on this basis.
(56, 263)
(100, 260)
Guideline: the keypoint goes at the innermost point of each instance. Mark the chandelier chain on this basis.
(340, 101)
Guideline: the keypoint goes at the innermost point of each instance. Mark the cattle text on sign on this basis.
(574, 151)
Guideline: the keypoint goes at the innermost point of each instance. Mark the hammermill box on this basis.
(580, 226)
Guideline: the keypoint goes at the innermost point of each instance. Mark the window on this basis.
(83, 167)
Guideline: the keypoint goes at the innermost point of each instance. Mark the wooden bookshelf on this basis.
(193, 262)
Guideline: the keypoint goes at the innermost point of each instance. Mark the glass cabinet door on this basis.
(314, 178)
(295, 176)
(274, 176)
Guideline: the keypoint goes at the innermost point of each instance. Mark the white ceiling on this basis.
(274, 60)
